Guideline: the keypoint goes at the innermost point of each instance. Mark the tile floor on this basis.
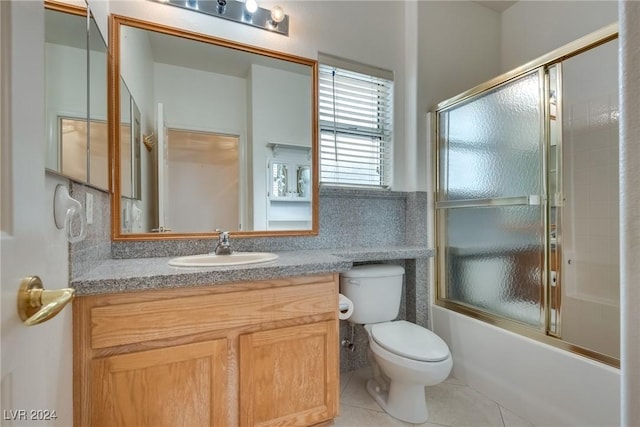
(451, 403)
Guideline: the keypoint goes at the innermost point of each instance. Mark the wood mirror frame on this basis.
(116, 21)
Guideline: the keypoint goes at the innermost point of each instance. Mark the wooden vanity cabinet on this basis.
(261, 353)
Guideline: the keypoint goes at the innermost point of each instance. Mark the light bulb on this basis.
(251, 6)
(277, 14)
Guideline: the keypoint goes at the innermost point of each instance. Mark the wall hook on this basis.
(65, 208)
(149, 141)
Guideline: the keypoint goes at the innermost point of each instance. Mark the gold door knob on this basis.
(37, 305)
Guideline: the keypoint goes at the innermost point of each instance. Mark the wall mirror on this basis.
(210, 134)
(76, 95)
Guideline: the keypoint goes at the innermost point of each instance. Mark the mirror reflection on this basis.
(228, 132)
(76, 96)
(130, 135)
(194, 160)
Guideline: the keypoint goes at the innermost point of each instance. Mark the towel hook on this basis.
(65, 208)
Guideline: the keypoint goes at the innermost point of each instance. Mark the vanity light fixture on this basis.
(277, 15)
(222, 6)
(245, 12)
(251, 6)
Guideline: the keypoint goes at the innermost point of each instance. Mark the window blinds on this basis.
(356, 128)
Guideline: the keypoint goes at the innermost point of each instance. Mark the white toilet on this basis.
(406, 357)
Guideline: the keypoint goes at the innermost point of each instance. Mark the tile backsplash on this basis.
(348, 218)
(96, 247)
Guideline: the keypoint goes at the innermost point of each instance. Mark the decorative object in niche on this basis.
(304, 178)
(280, 180)
(249, 13)
(289, 204)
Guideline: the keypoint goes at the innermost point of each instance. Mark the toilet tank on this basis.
(375, 290)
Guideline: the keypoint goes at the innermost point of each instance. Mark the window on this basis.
(356, 125)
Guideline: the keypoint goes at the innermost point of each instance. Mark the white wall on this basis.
(66, 95)
(278, 109)
(458, 48)
(279, 114)
(100, 12)
(98, 81)
(200, 100)
(548, 386)
(532, 28)
(66, 85)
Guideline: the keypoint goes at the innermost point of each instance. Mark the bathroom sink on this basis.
(213, 260)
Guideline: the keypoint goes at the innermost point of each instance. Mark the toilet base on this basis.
(405, 402)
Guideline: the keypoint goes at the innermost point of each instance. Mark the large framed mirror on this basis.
(76, 95)
(210, 135)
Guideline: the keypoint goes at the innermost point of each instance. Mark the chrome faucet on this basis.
(223, 247)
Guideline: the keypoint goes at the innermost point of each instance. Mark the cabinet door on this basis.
(289, 376)
(176, 386)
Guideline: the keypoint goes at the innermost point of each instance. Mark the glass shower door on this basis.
(589, 235)
(491, 201)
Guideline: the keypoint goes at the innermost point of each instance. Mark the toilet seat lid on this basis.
(410, 340)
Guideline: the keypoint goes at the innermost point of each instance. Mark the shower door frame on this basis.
(542, 64)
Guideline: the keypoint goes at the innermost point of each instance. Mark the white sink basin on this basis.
(213, 260)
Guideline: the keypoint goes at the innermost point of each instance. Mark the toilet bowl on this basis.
(405, 357)
(399, 386)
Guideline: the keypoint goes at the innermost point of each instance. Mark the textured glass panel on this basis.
(495, 260)
(589, 234)
(490, 146)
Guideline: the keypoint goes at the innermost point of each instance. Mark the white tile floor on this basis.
(451, 403)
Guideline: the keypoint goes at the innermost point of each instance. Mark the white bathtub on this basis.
(543, 384)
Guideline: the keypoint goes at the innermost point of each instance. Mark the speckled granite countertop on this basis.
(138, 274)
